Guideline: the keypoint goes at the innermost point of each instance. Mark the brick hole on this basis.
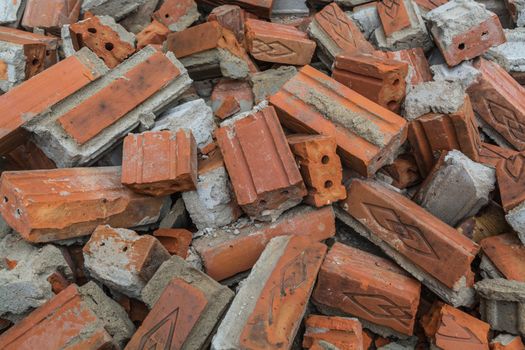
(109, 46)
(92, 30)
(484, 35)
(35, 61)
(285, 192)
(125, 249)
(262, 202)
(18, 213)
(325, 159)
(102, 244)
(328, 184)
(48, 52)
(396, 82)
(6, 199)
(167, 15)
(392, 104)
(461, 46)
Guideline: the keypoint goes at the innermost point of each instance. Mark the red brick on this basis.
(48, 205)
(154, 34)
(369, 287)
(515, 343)
(51, 14)
(491, 154)
(379, 79)
(176, 240)
(393, 15)
(500, 102)
(173, 11)
(510, 174)
(320, 167)
(419, 70)
(228, 107)
(451, 328)
(403, 171)
(444, 132)
(227, 254)
(429, 5)
(341, 332)
(114, 101)
(418, 236)
(160, 163)
(227, 91)
(66, 321)
(261, 8)
(102, 39)
(230, 17)
(507, 253)
(278, 43)
(313, 103)
(261, 184)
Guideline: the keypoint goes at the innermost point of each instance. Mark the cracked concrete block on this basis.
(195, 115)
(106, 118)
(510, 55)
(25, 270)
(433, 97)
(502, 304)
(11, 11)
(118, 9)
(464, 73)
(268, 82)
(366, 18)
(123, 260)
(457, 189)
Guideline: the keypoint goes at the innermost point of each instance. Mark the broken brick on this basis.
(261, 8)
(50, 15)
(378, 79)
(230, 17)
(314, 103)
(144, 170)
(403, 171)
(506, 342)
(371, 288)
(320, 167)
(264, 186)
(154, 34)
(507, 254)
(278, 43)
(231, 93)
(340, 332)
(418, 68)
(44, 205)
(176, 240)
(225, 252)
(510, 173)
(177, 15)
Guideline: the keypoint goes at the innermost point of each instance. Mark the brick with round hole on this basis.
(177, 15)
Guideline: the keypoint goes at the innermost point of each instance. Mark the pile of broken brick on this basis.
(262, 174)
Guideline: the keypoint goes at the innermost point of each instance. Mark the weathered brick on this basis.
(371, 288)
(160, 163)
(268, 309)
(414, 238)
(278, 43)
(451, 328)
(506, 342)
(394, 16)
(418, 68)
(500, 103)
(378, 79)
(367, 135)
(428, 5)
(154, 34)
(230, 17)
(176, 240)
(227, 89)
(227, 252)
(122, 259)
(510, 173)
(49, 205)
(507, 254)
(50, 14)
(340, 332)
(177, 15)
(261, 8)
(320, 167)
(491, 154)
(403, 171)
(264, 186)
(464, 30)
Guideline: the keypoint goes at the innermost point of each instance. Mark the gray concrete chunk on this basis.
(268, 82)
(510, 55)
(118, 9)
(516, 219)
(464, 73)
(11, 11)
(433, 97)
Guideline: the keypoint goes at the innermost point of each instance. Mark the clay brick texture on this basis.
(510, 174)
(51, 14)
(507, 253)
(261, 8)
(342, 332)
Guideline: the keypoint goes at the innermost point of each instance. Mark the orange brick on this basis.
(66, 321)
(381, 80)
(403, 171)
(507, 253)
(226, 253)
(393, 15)
(176, 240)
(177, 15)
(103, 39)
(40, 93)
(374, 289)
(278, 43)
(418, 238)
(49, 205)
(500, 102)
(432, 133)
(261, 8)
(367, 134)
(510, 175)
(429, 5)
(341, 332)
(230, 17)
(231, 93)
(451, 328)
(264, 186)
(228, 107)
(160, 163)
(154, 34)
(320, 167)
(419, 70)
(491, 154)
(51, 14)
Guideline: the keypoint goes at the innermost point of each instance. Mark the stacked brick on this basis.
(262, 174)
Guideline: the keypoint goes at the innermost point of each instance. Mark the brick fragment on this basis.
(499, 101)
(43, 205)
(227, 90)
(177, 15)
(264, 186)
(428, 5)
(188, 300)
(278, 43)
(123, 260)
(418, 68)
(320, 167)
(176, 240)
(267, 310)
(510, 173)
(490, 155)
(260, 8)
(145, 170)
(109, 40)
(378, 79)
(340, 332)
(230, 17)
(451, 328)
(403, 171)
(414, 238)
(154, 34)
(367, 135)
(335, 33)
(464, 30)
(227, 252)
(268, 82)
(50, 15)
(502, 304)
(371, 288)
(507, 254)
(506, 342)
(84, 126)
(79, 317)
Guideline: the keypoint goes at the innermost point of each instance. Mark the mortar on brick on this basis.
(433, 96)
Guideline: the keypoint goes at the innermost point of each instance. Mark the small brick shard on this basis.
(154, 34)
(231, 17)
(176, 240)
(177, 15)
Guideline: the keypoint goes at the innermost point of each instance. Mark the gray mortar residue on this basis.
(511, 54)
(268, 82)
(433, 96)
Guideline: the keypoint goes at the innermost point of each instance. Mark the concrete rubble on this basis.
(262, 174)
